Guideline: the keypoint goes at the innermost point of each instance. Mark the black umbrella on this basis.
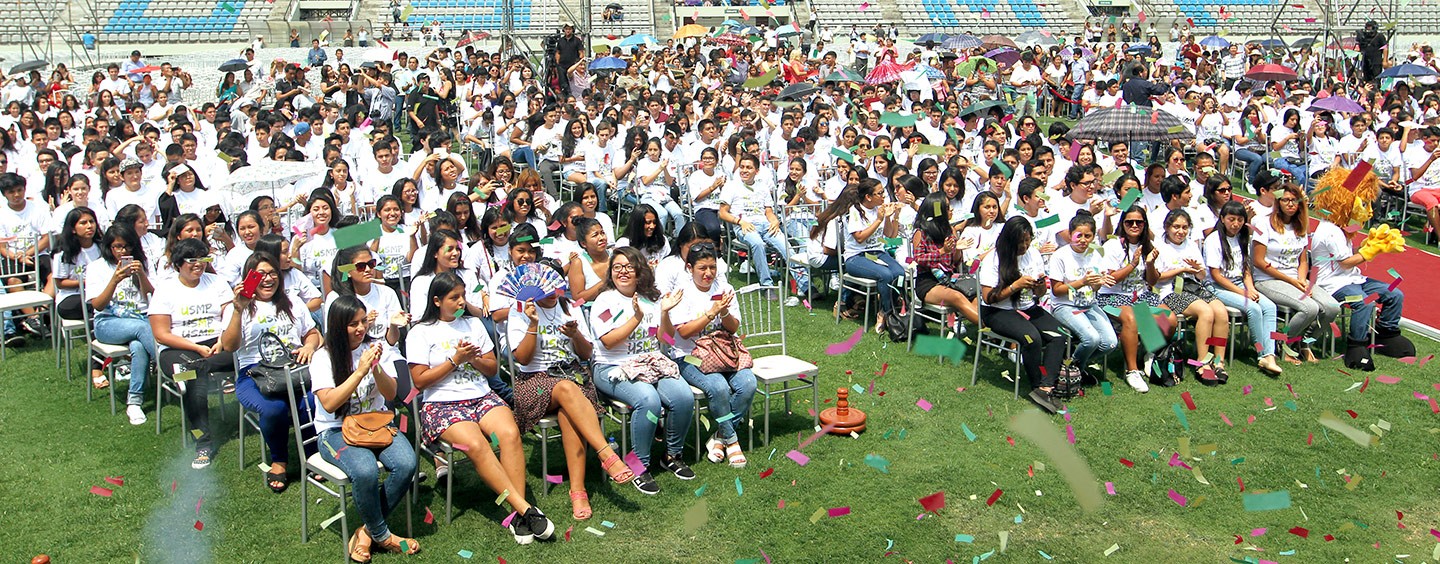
(981, 106)
(1131, 123)
(1304, 42)
(798, 90)
(233, 65)
(28, 66)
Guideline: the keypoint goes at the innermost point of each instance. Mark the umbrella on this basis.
(844, 75)
(1346, 44)
(638, 39)
(1131, 123)
(929, 72)
(982, 106)
(1137, 49)
(993, 41)
(271, 175)
(1267, 43)
(732, 24)
(603, 64)
(233, 65)
(472, 37)
(1007, 57)
(728, 38)
(145, 69)
(28, 66)
(1036, 37)
(1336, 104)
(936, 38)
(798, 90)
(1407, 69)
(1304, 42)
(1215, 42)
(691, 30)
(1270, 71)
(789, 31)
(969, 65)
(962, 41)
(886, 71)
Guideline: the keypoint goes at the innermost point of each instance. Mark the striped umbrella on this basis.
(1130, 123)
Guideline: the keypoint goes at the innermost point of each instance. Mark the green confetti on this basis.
(1180, 414)
(651, 416)
(1266, 501)
(968, 433)
(872, 460)
(739, 488)
(701, 490)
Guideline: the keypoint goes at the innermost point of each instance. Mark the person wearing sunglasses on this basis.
(186, 318)
(1130, 264)
(268, 310)
(1281, 261)
(357, 273)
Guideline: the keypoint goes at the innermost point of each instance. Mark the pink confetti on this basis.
(822, 432)
(411, 395)
(1257, 532)
(1110, 488)
(839, 511)
(1384, 379)
(508, 519)
(798, 457)
(404, 423)
(1070, 434)
(118, 480)
(1175, 461)
(843, 347)
(1178, 499)
(554, 479)
(634, 463)
(924, 404)
(1246, 390)
(1226, 419)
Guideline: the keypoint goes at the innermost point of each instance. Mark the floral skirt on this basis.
(440, 415)
(532, 393)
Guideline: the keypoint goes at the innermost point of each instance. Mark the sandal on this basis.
(620, 473)
(398, 544)
(359, 546)
(272, 478)
(100, 382)
(580, 505)
(736, 456)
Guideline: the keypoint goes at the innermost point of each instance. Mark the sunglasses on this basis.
(201, 260)
(366, 265)
(1134, 223)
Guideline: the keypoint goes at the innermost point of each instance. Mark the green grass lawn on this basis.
(57, 447)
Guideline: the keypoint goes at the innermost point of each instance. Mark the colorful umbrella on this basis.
(727, 38)
(1407, 69)
(1215, 42)
(1336, 104)
(962, 41)
(1036, 37)
(638, 39)
(844, 75)
(987, 64)
(691, 30)
(1270, 71)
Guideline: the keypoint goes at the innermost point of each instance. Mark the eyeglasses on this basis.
(1225, 189)
(366, 265)
(622, 268)
(268, 274)
(201, 260)
(519, 202)
(1288, 201)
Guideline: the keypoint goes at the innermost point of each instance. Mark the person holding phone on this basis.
(118, 287)
(262, 307)
(1012, 280)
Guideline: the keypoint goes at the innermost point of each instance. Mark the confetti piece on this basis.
(501, 498)
(767, 473)
(1112, 549)
(1361, 438)
(1384, 379)
(1177, 498)
(845, 346)
(739, 488)
(594, 531)
(933, 502)
(1189, 401)
(411, 395)
(1181, 416)
(1266, 502)
(924, 404)
(1127, 463)
(466, 554)
(1301, 532)
(1106, 389)
(1035, 427)
(1110, 488)
(634, 463)
(798, 457)
(102, 492)
(968, 539)
(199, 526)
(993, 498)
(1070, 434)
(118, 481)
(839, 511)
(968, 433)
(554, 479)
(872, 460)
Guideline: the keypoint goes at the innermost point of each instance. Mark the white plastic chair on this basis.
(762, 324)
(26, 294)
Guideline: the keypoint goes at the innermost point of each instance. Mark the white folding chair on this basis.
(987, 338)
(848, 282)
(26, 294)
(776, 372)
(108, 355)
(447, 451)
(940, 314)
(68, 331)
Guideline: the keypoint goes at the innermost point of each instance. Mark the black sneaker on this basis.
(540, 525)
(34, 327)
(520, 528)
(14, 340)
(203, 458)
(1042, 399)
(646, 484)
(677, 467)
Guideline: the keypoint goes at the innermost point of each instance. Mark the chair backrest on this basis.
(29, 276)
(304, 434)
(762, 322)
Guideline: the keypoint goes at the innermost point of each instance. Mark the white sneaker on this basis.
(745, 267)
(792, 301)
(834, 283)
(137, 415)
(1136, 379)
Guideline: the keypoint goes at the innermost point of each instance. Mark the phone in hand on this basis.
(125, 261)
(252, 282)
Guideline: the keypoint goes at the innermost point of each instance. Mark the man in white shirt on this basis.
(1026, 79)
(1424, 190)
(116, 84)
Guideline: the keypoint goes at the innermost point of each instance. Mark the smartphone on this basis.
(252, 282)
(125, 261)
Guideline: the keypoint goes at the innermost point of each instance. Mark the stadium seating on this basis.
(32, 19)
(483, 15)
(178, 20)
(639, 18)
(1005, 17)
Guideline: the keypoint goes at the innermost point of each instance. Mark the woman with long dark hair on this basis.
(1181, 266)
(353, 375)
(268, 311)
(1227, 256)
(864, 218)
(451, 357)
(1012, 281)
(1282, 262)
(937, 251)
(118, 288)
(646, 234)
(357, 273)
(1130, 263)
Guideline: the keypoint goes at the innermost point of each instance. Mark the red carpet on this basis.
(1415, 266)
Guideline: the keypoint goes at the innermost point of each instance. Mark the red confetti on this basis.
(118, 480)
(199, 526)
(1310, 439)
(1329, 538)
(1301, 532)
(1237, 539)
(102, 492)
(1189, 402)
(993, 498)
(1352, 413)
(1365, 385)
(1010, 440)
(767, 473)
(567, 532)
(933, 502)
(1127, 463)
(429, 517)
(1241, 481)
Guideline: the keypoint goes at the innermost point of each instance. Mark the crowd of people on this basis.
(644, 190)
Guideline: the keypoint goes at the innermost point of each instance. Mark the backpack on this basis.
(1168, 366)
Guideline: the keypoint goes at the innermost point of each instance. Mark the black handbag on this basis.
(275, 366)
(967, 284)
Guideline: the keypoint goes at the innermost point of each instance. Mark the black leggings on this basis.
(1040, 340)
(69, 308)
(196, 395)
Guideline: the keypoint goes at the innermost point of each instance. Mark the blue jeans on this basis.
(524, 155)
(1091, 326)
(885, 274)
(373, 503)
(1393, 301)
(756, 241)
(1259, 316)
(730, 395)
(136, 334)
(668, 211)
(1299, 172)
(645, 401)
(1253, 161)
(274, 415)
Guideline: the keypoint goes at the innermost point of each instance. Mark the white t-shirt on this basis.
(748, 202)
(1066, 265)
(1031, 264)
(1117, 255)
(855, 223)
(694, 304)
(1215, 257)
(72, 271)
(316, 255)
(1413, 158)
(267, 318)
(394, 246)
(196, 314)
(1174, 256)
(1328, 246)
(433, 344)
(1282, 250)
(420, 291)
(196, 201)
(127, 301)
(147, 198)
(24, 226)
(698, 182)
(553, 348)
(381, 299)
(612, 309)
(367, 396)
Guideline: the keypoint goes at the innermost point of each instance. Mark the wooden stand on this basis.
(843, 418)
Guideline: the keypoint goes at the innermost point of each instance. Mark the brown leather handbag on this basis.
(722, 351)
(369, 430)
